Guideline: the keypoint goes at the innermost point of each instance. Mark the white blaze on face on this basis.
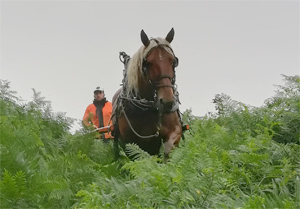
(160, 55)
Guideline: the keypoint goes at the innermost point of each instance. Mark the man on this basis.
(98, 113)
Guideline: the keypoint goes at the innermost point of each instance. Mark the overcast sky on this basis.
(64, 49)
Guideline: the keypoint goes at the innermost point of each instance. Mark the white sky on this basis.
(64, 49)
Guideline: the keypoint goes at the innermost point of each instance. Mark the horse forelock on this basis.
(135, 63)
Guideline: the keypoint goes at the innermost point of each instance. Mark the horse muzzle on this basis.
(165, 107)
(165, 90)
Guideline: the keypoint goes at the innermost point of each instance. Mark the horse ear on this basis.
(170, 36)
(144, 38)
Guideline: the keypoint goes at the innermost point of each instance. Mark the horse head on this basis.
(158, 69)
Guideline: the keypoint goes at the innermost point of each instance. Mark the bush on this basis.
(239, 157)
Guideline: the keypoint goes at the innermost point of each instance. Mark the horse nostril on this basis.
(168, 105)
(161, 101)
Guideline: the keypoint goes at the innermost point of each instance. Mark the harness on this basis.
(133, 103)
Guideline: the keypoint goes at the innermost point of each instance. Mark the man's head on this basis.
(98, 93)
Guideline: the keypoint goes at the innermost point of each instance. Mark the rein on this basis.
(134, 131)
(146, 105)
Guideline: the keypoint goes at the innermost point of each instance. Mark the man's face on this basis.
(98, 95)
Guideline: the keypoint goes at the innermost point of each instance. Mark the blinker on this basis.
(176, 62)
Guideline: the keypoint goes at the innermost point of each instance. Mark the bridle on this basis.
(158, 85)
(145, 68)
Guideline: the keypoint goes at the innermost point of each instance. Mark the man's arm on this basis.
(86, 121)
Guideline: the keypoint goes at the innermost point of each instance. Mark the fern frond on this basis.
(135, 152)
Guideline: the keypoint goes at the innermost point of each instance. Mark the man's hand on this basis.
(95, 126)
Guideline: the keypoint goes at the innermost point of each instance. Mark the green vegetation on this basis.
(239, 157)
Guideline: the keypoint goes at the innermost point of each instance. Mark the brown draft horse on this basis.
(146, 108)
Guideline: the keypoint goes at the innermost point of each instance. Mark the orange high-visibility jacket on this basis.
(90, 116)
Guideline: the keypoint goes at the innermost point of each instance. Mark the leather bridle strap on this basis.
(158, 85)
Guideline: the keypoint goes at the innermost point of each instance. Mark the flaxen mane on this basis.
(135, 63)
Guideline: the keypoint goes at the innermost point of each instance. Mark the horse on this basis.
(146, 108)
